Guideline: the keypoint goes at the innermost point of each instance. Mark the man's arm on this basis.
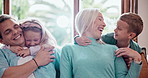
(24, 70)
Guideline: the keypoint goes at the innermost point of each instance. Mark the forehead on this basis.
(100, 15)
(7, 24)
(32, 35)
(31, 24)
(122, 24)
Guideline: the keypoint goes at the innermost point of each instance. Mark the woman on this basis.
(95, 60)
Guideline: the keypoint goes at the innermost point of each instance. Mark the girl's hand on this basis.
(16, 49)
(23, 53)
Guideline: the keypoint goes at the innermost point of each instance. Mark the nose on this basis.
(115, 29)
(32, 43)
(103, 24)
(15, 31)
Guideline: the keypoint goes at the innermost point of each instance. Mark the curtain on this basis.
(130, 6)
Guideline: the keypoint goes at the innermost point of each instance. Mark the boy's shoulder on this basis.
(109, 38)
(135, 46)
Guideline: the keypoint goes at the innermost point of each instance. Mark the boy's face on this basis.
(11, 33)
(121, 32)
(32, 38)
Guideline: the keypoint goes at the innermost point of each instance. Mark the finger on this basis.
(51, 60)
(121, 54)
(119, 51)
(87, 41)
(52, 57)
(42, 48)
(51, 52)
(24, 55)
(85, 44)
(18, 54)
(21, 55)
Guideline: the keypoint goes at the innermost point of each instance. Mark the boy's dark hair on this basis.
(3, 18)
(134, 21)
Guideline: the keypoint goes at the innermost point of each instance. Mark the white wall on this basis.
(143, 12)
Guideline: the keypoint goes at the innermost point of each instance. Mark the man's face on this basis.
(11, 33)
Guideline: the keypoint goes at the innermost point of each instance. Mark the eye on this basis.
(119, 28)
(7, 32)
(36, 40)
(28, 40)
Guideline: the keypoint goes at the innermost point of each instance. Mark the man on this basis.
(11, 34)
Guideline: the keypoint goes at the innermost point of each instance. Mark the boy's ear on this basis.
(132, 35)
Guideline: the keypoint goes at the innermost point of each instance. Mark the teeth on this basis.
(17, 37)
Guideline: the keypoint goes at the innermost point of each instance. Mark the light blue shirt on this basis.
(94, 61)
(8, 59)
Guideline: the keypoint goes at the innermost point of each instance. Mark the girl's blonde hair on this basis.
(46, 36)
(85, 19)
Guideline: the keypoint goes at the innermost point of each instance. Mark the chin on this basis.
(115, 37)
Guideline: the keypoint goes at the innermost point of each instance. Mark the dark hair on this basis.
(134, 21)
(3, 18)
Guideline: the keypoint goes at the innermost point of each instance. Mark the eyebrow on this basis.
(9, 28)
(100, 17)
(15, 25)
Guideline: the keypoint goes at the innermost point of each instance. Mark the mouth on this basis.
(17, 37)
(115, 35)
(100, 29)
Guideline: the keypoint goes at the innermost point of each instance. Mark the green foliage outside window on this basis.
(107, 8)
(1, 7)
(56, 15)
(57, 19)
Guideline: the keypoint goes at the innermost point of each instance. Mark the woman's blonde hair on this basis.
(85, 19)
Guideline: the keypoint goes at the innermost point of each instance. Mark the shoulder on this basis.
(113, 47)
(135, 46)
(5, 51)
(70, 46)
(109, 38)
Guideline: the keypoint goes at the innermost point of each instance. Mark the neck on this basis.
(121, 44)
(87, 35)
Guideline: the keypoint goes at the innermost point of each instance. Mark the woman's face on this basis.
(97, 27)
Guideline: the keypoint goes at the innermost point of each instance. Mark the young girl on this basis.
(36, 36)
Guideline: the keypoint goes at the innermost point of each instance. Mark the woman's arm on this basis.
(66, 63)
(121, 70)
